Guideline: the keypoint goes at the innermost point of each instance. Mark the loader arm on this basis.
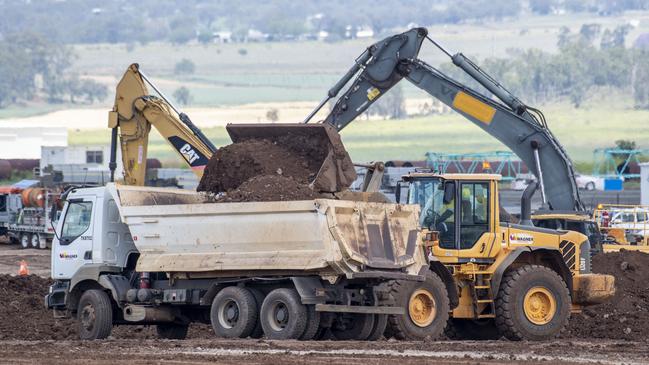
(519, 127)
(133, 114)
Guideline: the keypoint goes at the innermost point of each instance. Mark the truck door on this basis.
(74, 246)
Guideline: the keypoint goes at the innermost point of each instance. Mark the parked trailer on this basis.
(25, 216)
(289, 270)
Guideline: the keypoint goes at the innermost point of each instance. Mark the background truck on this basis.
(26, 213)
(164, 257)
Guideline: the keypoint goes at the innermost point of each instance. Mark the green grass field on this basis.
(596, 124)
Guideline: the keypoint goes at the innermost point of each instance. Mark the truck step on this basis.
(482, 287)
(484, 301)
(481, 316)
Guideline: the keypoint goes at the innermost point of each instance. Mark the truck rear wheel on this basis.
(25, 240)
(234, 313)
(471, 329)
(380, 323)
(94, 315)
(35, 241)
(283, 316)
(426, 305)
(172, 331)
(312, 323)
(533, 303)
(353, 326)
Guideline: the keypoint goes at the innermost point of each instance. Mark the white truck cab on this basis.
(90, 232)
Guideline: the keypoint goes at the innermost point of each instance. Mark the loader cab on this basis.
(460, 207)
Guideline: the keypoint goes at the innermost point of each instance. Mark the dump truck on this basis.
(287, 270)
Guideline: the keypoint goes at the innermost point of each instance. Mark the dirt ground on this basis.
(612, 333)
(324, 352)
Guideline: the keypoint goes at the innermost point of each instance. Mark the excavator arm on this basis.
(519, 127)
(133, 114)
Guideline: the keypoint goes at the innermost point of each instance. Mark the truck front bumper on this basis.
(590, 289)
(57, 297)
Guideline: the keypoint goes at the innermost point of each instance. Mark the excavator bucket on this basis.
(317, 142)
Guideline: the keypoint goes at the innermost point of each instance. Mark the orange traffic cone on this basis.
(23, 271)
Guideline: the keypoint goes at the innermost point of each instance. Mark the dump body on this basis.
(177, 231)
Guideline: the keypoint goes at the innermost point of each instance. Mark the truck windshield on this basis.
(77, 221)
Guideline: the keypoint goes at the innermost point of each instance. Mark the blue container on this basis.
(613, 184)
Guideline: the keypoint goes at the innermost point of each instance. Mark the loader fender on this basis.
(550, 253)
(443, 273)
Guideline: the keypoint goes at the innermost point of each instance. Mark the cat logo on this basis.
(188, 153)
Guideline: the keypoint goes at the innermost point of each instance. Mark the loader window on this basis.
(474, 213)
(77, 221)
(435, 213)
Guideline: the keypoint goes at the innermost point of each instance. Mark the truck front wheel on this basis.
(426, 304)
(94, 315)
(533, 303)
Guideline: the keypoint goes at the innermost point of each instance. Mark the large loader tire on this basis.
(533, 303)
(426, 305)
(471, 329)
(234, 313)
(283, 316)
(172, 331)
(94, 315)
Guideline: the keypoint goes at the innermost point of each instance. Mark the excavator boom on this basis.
(519, 127)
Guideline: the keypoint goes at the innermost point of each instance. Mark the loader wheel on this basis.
(312, 323)
(283, 316)
(471, 329)
(353, 326)
(95, 315)
(234, 313)
(380, 323)
(172, 331)
(426, 305)
(533, 303)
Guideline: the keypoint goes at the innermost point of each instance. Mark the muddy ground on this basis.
(611, 333)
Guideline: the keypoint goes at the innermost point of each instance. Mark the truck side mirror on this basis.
(449, 192)
(397, 193)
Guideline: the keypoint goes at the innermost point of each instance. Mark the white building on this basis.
(26, 142)
(80, 163)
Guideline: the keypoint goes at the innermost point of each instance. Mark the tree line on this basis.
(31, 67)
(588, 60)
(180, 21)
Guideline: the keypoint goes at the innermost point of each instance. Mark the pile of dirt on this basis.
(24, 316)
(626, 315)
(263, 170)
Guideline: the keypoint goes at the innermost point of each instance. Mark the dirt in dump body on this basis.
(626, 315)
(264, 170)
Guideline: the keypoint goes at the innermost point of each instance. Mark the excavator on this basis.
(136, 110)
(502, 278)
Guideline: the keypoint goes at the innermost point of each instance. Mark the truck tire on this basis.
(312, 323)
(283, 316)
(25, 240)
(470, 329)
(234, 313)
(427, 307)
(533, 303)
(35, 242)
(94, 315)
(380, 323)
(172, 331)
(257, 332)
(353, 326)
